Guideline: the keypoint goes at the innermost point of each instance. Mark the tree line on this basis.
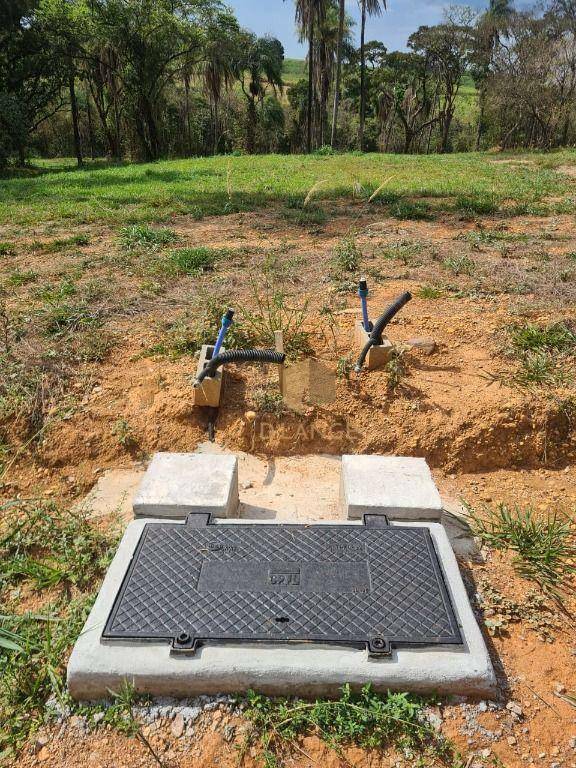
(145, 79)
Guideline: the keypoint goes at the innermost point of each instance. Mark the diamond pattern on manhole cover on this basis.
(249, 582)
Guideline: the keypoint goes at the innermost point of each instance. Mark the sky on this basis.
(276, 17)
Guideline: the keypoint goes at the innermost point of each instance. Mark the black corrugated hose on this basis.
(376, 333)
(239, 356)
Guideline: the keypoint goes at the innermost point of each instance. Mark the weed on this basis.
(18, 278)
(500, 611)
(275, 312)
(475, 206)
(405, 251)
(430, 292)
(535, 338)
(190, 261)
(50, 546)
(347, 255)
(93, 346)
(460, 265)
(55, 293)
(62, 318)
(7, 249)
(344, 367)
(268, 400)
(124, 433)
(53, 246)
(396, 368)
(539, 367)
(544, 546)
(143, 236)
(367, 719)
(407, 209)
(305, 217)
(490, 236)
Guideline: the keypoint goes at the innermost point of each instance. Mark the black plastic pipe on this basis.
(239, 356)
(375, 337)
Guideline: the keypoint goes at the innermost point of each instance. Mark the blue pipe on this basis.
(363, 293)
(226, 323)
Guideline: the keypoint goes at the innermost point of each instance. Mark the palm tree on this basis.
(260, 66)
(310, 13)
(371, 8)
(219, 68)
(341, 16)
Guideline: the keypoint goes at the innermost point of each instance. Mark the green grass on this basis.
(293, 70)
(544, 353)
(531, 337)
(366, 719)
(190, 261)
(45, 548)
(347, 254)
(544, 545)
(142, 236)
(138, 193)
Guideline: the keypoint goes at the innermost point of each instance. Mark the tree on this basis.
(30, 85)
(446, 48)
(259, 67)
(155, 41)
(489, 27)
(309, 14)
(372, 8)
(219, 66)
(341, 16)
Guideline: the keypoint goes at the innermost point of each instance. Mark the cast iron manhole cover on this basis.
(369, 585)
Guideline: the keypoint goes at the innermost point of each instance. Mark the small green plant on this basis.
(396, 368)
(344, 367)
(408, 209)
(460, 265)
(143, 236)
(366, 719)
(544, 545)
(190, 261)
(430, 292)
(530, 337)
(268, 400)
(61, 244)
(274, 311)
(311, 216)
(63, 318)
(475, 206)
(406, 251)
(124, 433)
(18, 278)
(539, 367)
(7, 249)
(347, 255)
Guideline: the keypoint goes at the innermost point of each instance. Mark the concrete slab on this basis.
(95, 668)
(113, 493)
(176, 484)
(398, 486)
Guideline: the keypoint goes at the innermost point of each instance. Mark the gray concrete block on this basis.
(96, 668)
(176, 484)
(398, 486)
(378, 355)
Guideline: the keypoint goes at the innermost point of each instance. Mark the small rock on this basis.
(485, 752)
(515, 708)
(482, 706)
(177, 726)
(542, 755)
(559, 688)
(248, 484)
(555, 751)
(250, 415)
(511, 741)
(572, 742)
(98, 717)
(228, 733)
(425, 344)
(41, 741)
(44, 754)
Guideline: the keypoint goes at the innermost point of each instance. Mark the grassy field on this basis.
(293, 70)
(125, 194)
